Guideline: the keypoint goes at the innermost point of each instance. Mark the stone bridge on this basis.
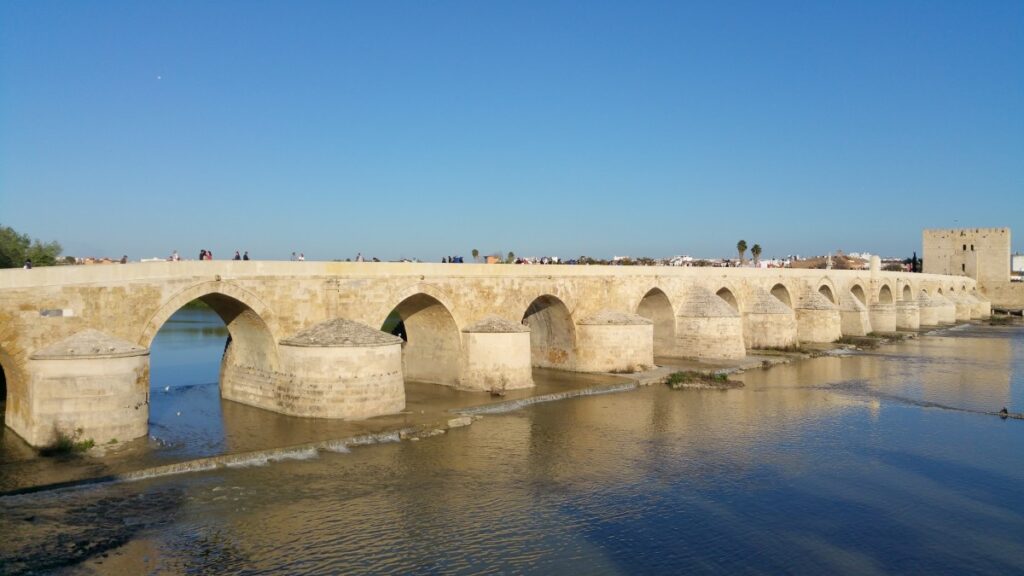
(306, 337)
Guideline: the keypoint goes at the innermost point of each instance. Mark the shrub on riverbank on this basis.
(701, 380)
(67, 444)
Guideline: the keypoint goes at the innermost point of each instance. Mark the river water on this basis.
(876, 462)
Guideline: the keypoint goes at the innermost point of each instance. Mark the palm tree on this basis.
(741, 247)
(755, 251)
(476, 255)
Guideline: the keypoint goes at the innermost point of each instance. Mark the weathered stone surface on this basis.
(341, 332)
(89, 343)
(495, 325)
(615, 318)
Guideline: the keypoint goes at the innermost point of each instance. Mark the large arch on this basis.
(251, 342)
(656, 306)
(781, 293)
(730, 298)
(433, 346)
(858, 292)
(885, 295)
(552, 333)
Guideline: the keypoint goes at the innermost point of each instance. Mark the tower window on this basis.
(963, 267)
(972, 247)
(965, 247)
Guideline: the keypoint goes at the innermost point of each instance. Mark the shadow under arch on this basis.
(826, 291)
(433, 346)
(908, 293)
(552, 333)
(250, 341)
(781, 293)
(858, 292)
(885, 295)
(656, 306)
(726, 294)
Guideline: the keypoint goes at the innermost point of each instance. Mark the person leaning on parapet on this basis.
(28, 264)
(237, 256)
(294, 257)
(246, 255)
(124, 259)
(202, 254)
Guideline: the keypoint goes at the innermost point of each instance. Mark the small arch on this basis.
(656, 306)
(433, 345)
(939, 290)
(552, 333)
(885, 295)
(782, 294)
(858, 292)
(826, 291)
(730, 299)
(908, 294)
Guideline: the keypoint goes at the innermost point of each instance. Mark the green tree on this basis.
(15, 248)
(755, 251)
(741, 247)
(511, 258)
(476, 255)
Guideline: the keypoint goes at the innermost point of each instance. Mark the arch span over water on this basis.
(552, 333)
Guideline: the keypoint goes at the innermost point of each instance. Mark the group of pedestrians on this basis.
(451, 260)
(300, 258)
(242, 256)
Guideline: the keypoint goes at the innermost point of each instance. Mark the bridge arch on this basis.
(885, 295)
(552, 333)
(908, 293)
(782, 294)
(858, 292)
(656, 306)
(433, 346)
(251, 343)
(727, 294)
(826, 288)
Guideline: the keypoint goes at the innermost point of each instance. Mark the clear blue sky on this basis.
(431, 128)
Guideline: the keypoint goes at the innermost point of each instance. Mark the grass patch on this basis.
(67, 444)
(700, 380)
(994, 320)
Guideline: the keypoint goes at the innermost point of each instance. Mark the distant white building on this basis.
(1017, 264)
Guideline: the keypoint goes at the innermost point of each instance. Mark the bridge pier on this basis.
(908, 315)
(613, 341)
(947, 309)
(817, 319)
(708, 327)
(90, 386)
(929, 309)
(963, 307)
(496, 355)
(854, 317)
(883, 317)
(340, 369)
(980, 308)
(767, 322)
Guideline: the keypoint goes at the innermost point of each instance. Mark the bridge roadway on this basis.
(306, 340)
